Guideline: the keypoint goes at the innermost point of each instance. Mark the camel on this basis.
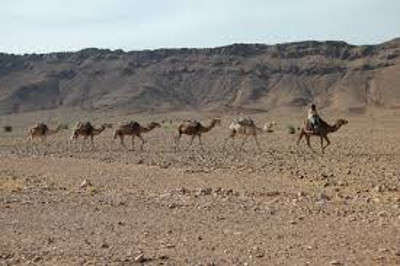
(246, 127)
(194, 128)
(323, 131)
(133, 129)
(42, 131)
(87, 131)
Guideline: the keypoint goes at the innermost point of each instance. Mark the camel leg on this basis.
(46, 141)
(71, 142)
(29, 142)
(308, 142)
(92, 142)
(322, 144)
(122, 142)
(177, 140)
(43, 141)
(243, 142)
(191, 141)
(83, 143)
(231, 136)
(300, 137)
(257, 143)
(226, 141)
(133, 143)
(143, 141)
(201, 144)
(32, 144)
(78, 142)
(35, 148)
(328, 142)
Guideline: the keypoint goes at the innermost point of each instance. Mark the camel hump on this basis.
(42, 127)
(133, 124)
(130, 124)
(323, 123)
(245, 121)
(192, 123)
(87, 125)
(195, 124)
(84, 127)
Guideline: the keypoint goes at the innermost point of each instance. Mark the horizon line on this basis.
(198, 47)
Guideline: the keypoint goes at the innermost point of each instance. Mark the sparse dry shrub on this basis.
(63, 126)
(8, 129)
(168, 127)
(291, 129)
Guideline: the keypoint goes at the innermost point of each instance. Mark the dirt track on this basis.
(282, 206)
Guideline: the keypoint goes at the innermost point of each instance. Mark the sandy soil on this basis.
(63, 204)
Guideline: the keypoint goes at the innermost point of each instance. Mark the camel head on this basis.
(341, 122)
(104, 126)
(108, 125)
(154, 125)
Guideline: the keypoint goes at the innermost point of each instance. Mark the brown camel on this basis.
(195, 128)
(41, 130)
(133, 129)
(88, 131)
(246, 128)
(322, 132)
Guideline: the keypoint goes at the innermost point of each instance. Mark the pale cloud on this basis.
(59, 25)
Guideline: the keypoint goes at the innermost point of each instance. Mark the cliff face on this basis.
(334, 74)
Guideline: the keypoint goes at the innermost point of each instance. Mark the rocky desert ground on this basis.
(62, 204)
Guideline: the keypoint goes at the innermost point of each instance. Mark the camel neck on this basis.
(148, 128)
(99, 130)
(209, 127)
(334, 128)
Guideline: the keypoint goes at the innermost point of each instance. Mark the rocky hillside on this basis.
(333, 74)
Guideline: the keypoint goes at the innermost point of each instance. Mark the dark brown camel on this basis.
(87, 130)
(195, 128)
(323, 130)
(133, 129)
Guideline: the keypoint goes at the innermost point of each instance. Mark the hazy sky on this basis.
(67, 25)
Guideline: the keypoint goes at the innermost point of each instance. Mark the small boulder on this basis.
(140, 258)
(85, 183)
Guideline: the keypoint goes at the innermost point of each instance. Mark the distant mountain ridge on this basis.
(333, 74)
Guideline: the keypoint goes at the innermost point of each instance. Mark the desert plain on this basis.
(68, 204)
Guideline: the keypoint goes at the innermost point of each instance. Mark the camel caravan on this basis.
(242, 127)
